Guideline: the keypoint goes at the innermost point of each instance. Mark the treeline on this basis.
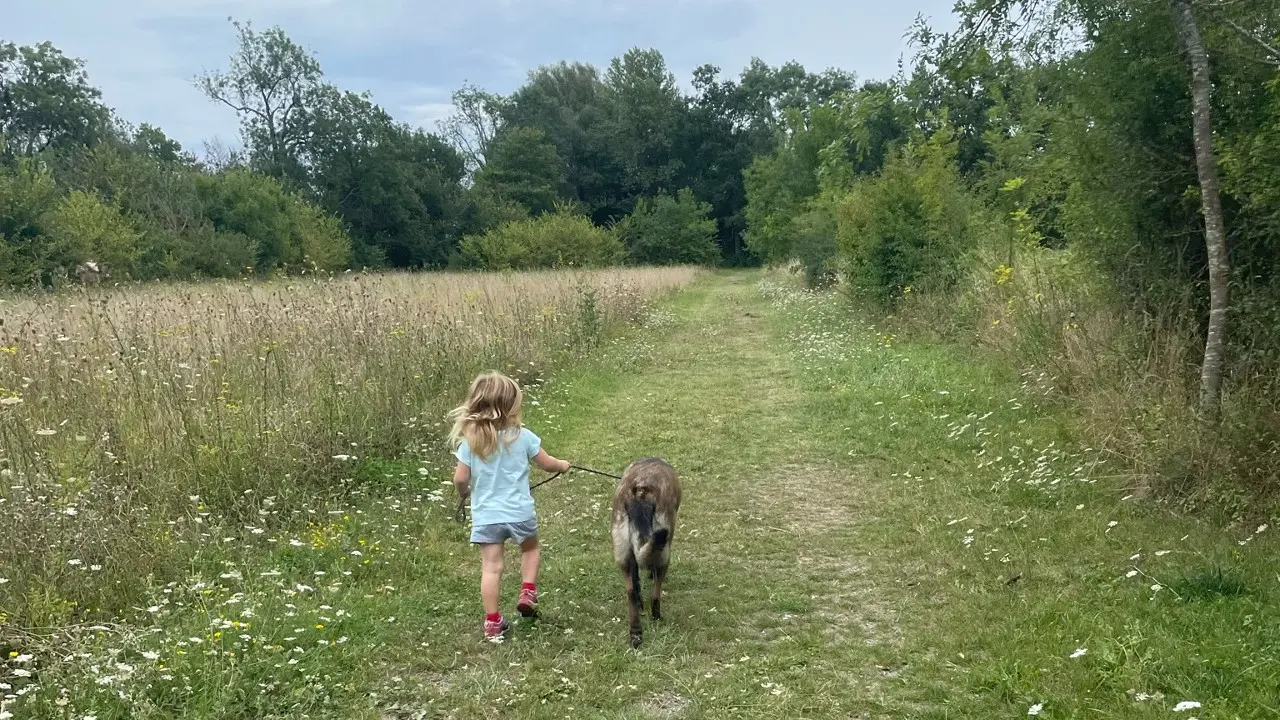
(577, 167)
(1033, 182)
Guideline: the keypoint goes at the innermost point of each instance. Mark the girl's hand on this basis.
(565, 466)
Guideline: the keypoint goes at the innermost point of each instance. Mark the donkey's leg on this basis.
(658, 573)
(631, 576)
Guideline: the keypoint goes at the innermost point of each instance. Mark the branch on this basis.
(1271, 50)
(239, 108)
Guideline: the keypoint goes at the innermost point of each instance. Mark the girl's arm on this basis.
(462, 480)
(550, 464)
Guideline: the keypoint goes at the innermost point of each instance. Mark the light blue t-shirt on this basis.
(500, 482)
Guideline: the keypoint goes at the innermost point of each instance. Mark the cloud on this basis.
(411, 53)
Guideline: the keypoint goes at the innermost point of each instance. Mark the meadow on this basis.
(131, 418)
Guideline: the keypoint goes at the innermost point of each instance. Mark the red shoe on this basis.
(528, 605)
(495, 630)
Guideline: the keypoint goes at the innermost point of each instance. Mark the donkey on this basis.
(644, 518)
(91, 273)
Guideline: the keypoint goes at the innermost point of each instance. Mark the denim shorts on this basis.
(501, 532)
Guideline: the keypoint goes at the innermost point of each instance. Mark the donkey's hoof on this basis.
(636, 639)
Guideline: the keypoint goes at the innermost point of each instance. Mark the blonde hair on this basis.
(488, 415)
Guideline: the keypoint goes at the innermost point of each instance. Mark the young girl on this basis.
(494, 451)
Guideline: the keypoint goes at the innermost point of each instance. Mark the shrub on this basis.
(558, 239)
(287, 232)
(81, 227)
(814, 245)
(671, 231)
(27, 195)
(905, 228)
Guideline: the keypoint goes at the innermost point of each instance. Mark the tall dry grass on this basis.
(1130, 377)
(118, 409)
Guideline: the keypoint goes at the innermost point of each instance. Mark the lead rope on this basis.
(460, 514)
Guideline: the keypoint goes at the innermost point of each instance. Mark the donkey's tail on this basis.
(654, 544)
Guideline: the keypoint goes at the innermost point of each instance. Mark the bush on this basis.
(814, 245)
(81, 227)
(558, 239)
(906, 228)
(287, 232)
(671, 231)
(43, 234)
(27, 195)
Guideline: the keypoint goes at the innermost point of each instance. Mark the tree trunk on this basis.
(1211, 204)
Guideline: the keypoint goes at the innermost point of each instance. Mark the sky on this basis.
(412, 54)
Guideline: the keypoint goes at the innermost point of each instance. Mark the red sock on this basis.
(493, 617)
(528, 586)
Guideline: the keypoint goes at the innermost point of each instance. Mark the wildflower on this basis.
(46, 432)
(12, 400)
(22, 673)
(75, 563)
(1079, 653)
(1035, 709)
(23, 658)
(150, 655)
(95, 568)
(1186, 705)
(3, 581)
(1131, 573)
(71, 512)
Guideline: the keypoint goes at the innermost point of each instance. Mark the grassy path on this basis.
(869, 531)
(763, 586)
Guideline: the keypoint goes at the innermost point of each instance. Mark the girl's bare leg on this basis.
(491, 576)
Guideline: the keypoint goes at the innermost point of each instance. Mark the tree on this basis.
(271, 84)
(397, 189)
(1040, 23)
(46, 101)
(1211, 203)
(474, 124)
(779, 184)
(668, 230)
(645, 114)
(524, 167)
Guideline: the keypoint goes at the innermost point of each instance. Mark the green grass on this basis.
(871, 528)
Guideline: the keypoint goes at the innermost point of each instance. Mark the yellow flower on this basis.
(1004, 274)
